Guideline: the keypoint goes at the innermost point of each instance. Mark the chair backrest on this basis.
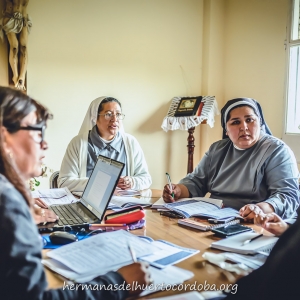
(53, 180)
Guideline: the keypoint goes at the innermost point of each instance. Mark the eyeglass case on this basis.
(125, 216)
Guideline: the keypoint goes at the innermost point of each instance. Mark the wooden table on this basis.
(161, 227)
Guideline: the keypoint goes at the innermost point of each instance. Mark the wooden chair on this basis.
(53, 180)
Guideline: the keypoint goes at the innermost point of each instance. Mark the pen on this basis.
(250, 240)
(108, 225)
(132, 252)
(169, 182)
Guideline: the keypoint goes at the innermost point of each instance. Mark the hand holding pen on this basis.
(170, 184)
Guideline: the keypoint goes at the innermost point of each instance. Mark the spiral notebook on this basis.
(204, 226)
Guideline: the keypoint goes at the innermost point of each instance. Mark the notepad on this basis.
(204, 226)
(204, 207)
(236, 243)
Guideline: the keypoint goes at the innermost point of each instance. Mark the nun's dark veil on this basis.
(231, 104)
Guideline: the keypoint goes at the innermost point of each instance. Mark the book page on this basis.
(192, 207)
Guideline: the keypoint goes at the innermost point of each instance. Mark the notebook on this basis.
(204, 226)
(92, 205)
(205, 207)
(263, 244)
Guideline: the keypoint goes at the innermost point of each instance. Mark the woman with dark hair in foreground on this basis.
(22, 146)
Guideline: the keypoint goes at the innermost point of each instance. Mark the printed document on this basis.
(55, 196)
(102, 251)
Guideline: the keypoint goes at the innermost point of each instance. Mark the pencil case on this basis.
(125, 216)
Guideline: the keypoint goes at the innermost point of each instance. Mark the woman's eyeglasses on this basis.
(109, 116)
(39, 139)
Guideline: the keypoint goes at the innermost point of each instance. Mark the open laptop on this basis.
(92, 205)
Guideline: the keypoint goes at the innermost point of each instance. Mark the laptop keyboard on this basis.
(67, 215)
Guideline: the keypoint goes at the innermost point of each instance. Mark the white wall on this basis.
(255, 56)
(141, 52)
(146, 52)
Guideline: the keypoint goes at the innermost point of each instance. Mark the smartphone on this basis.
(221, 221)
(230, 230)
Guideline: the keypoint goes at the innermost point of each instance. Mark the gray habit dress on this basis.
(265, 172)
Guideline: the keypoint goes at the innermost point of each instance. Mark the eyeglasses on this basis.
(109, 116)
(38, 139)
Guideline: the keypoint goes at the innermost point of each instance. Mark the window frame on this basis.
(291, 139)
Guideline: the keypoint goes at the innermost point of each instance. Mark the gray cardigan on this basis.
(21, 271)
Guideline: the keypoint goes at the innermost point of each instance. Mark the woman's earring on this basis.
(10, 154)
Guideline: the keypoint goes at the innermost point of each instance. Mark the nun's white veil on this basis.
(91, 115)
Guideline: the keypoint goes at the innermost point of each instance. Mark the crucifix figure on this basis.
(16, 24)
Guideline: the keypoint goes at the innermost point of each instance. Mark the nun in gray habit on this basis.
(266, 173)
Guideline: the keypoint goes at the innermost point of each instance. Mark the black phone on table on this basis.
(230, 230)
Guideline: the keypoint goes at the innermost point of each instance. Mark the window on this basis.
(292, 124)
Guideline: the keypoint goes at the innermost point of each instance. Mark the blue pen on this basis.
(170, 184)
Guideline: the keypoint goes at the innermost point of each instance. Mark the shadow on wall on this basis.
(153, 125)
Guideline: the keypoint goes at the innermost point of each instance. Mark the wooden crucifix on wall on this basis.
(16, 25)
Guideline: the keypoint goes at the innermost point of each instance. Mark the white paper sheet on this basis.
(55, 196)
(168, 254)
(105, 250)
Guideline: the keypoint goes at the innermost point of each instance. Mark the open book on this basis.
(205, 207)
(263, 244)
(160, 203)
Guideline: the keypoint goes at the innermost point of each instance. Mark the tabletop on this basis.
(165, 228)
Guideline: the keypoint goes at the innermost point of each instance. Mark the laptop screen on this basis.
(101, 185)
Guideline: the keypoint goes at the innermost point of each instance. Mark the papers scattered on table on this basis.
(84, 260)
(55, 196)
(104, 252)
(168, 254)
